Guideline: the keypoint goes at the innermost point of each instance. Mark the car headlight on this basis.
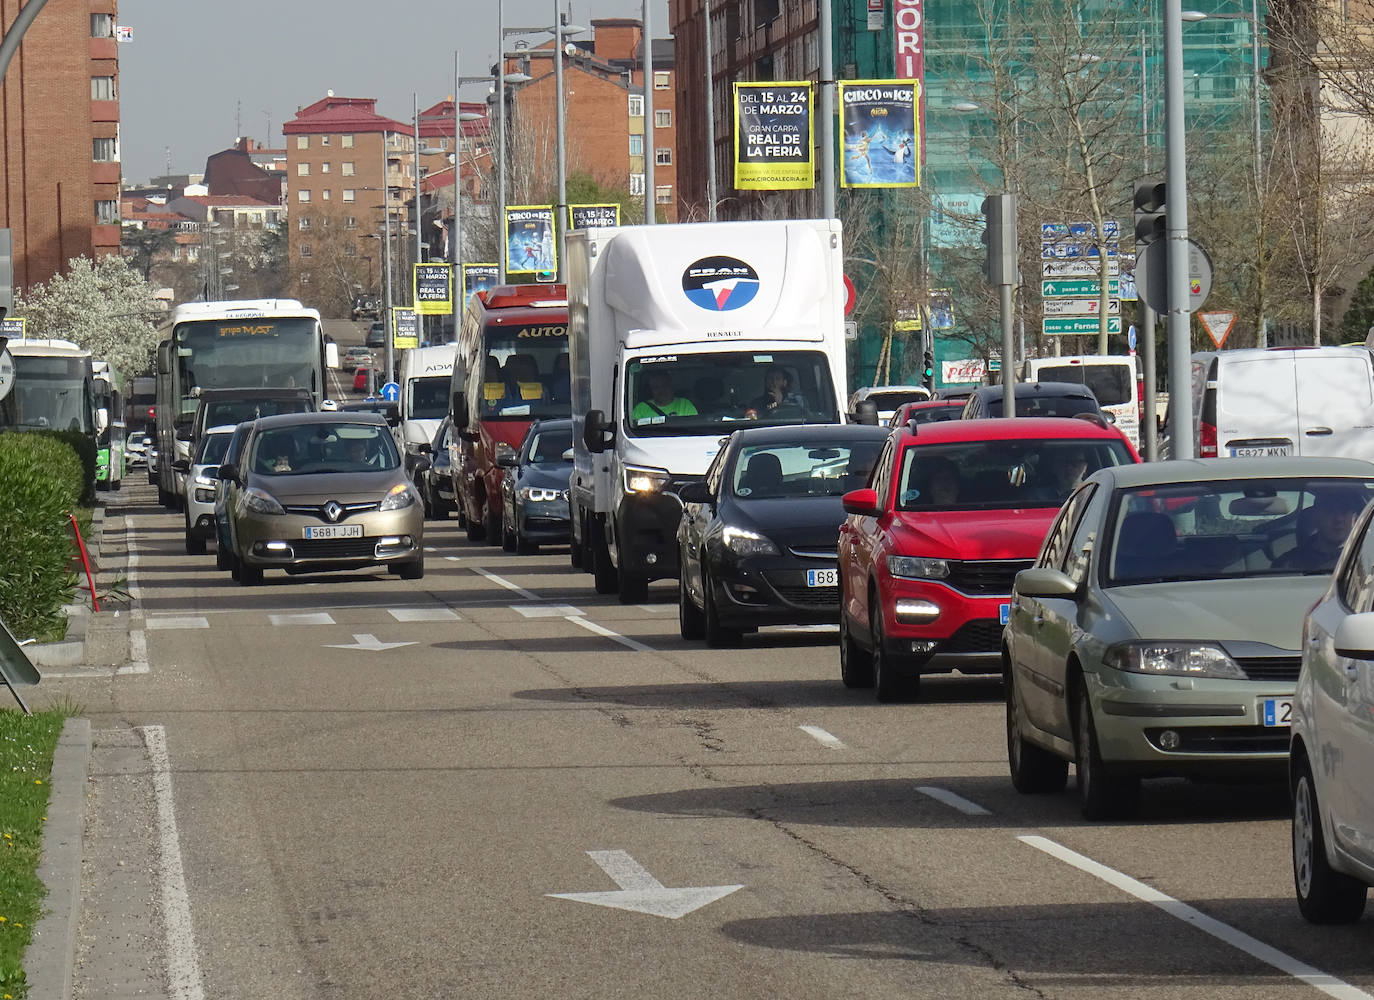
(1184, 659)
(398, 498)
(205, 496)
(205, 481)
(916, 568)
(538, 494)
(642, 479)
(261, 502)
(744, 542)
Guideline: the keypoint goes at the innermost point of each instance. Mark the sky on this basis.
(196, 75)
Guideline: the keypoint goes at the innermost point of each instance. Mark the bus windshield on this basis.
(248, 352)
(50, 393)
(525, 372)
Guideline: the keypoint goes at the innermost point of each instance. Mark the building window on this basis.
(636, 105)
(636, 145)
(663, 156)
(636, 184)
(102, 88)
(256, 218)
(305, 249)
(324, 140)
(351, 222)
(663, 119)
(348, 194)
(325, 194)
(304, 222)
(765, 11)
(102, 26)
(663, 194)
(346, 141)
(324, 167)
(660, 80)
(303, 196)
(347, 168)
(104, 150)
(302, 142)
(106, 212)
(350, 250)
(302, 170)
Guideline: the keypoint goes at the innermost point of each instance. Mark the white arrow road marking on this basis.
(369, 643)
(1325, 982)
(640, 892)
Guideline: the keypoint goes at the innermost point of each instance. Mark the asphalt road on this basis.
(357, 786)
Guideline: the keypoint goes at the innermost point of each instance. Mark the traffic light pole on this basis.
(1008, 350)
(1176, 219)
(1149, 433)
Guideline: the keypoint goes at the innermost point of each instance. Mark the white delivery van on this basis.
(425, 373)
(678, 335)
(1284, 401)
(1113, 379)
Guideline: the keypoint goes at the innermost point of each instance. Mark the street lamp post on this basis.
(650, 194)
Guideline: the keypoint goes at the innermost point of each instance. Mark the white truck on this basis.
(678, 335)
(425, 373)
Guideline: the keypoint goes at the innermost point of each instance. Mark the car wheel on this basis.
(856, 664)
(495, 528)
(523, 545)
(507, 535)
(1325, 896)
(249, 576)
(604, 576)
(222, 556)
(425, 500)
(195, 545)
(690, 622)
(717, 635)
(889, 685)
(476, 529)
(462, 514)
(1034, 770)
(165, 499)
(413, 570)
(1101, 794)
(575, 554)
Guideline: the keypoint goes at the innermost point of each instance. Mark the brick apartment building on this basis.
(604, 119)
(60, 131)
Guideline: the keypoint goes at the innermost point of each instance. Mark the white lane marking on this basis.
(954, 801)
(131, 574)
(653, 609)
(430, 548)
(310, 618)
(453, 558)
(503, 582)
(186, 621)
(601, 630)
(824, 738)
(183, 965)
(423, 614)
(641, 892)
(546, 610)
(138, 651)
(1325, 982)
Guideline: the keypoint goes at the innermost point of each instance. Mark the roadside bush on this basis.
(40, 483)
(84, 447)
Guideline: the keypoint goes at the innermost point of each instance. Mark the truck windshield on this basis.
(428, 397)
(524, 375)
(676, 394)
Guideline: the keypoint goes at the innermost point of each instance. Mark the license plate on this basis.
(822, 578)
(334, 531)
(1262, 451)
(1004, 613)
(1276, 711)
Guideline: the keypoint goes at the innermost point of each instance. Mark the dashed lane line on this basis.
(824, 738)
(601, 630)
(501, 581)
(953, 801)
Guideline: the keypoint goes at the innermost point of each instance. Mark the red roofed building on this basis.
(236, 172)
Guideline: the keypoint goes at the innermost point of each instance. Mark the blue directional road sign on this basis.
(391, 392)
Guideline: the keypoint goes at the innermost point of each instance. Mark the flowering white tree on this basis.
(104, 306)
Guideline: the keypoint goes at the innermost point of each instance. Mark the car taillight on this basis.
(1207, 441)
(1140, 400)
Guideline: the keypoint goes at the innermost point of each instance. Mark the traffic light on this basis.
(1150, 219)
(928, 369)
(999, 237)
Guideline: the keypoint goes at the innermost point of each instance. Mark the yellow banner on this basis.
(774, 136)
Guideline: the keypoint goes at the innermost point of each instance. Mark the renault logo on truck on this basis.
(720, 283)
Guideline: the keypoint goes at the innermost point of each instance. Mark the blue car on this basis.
(534, 490)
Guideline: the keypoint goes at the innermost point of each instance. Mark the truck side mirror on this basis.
(866, 413)
(331, 355)
(597, 435)
(459, 405)
(392, 415)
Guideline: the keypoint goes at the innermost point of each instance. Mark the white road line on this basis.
(953, 801)
(131, 574)
(601, 630)
(309, 618)
(1313, 977)
(653, 609)
(175, 622)
(423, 614)
(453, 558)
(503, 582)
(547, 610)
(823, 737)
(138, 653)
(183, 965)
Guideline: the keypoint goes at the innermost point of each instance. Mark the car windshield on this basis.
(309, 449)
(212, 448)
(1110, 383)
(1223, 530)
(890, 400)
(994, 475)
(769, 471)
(1040, 404)
(551, 446)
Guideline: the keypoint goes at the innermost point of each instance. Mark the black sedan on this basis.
(758, 537)
(534, 490)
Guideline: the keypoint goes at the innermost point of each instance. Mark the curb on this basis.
(71, 651)
(51, 957)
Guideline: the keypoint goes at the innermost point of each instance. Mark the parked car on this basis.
(366, 307)
(376, 335)
(951, 513)
(887, 398)
(224, 541)
(323, 491)
(927, 411)
(136, 449)
(1160, 631)
(534, 490)
(357, 357)
(432, 476)
(152, 463)
(201, 484)
(1035, 399)
(360, 379)
(1331, 750)
(757, 540)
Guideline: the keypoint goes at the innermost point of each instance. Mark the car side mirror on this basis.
(227, 470)
(697, 492)
(392, 415)
(425, 448)
(1041, 581)
(597, 434)
(863, 502)
(181, 465)
(1355, 637)
(508, 460)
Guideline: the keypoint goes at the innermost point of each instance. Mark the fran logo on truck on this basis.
(720, 283)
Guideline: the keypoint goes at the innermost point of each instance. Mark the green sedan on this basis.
(1159, 632)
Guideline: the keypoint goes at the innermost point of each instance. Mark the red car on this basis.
(952, 512)
(928, 411)
(360, 379)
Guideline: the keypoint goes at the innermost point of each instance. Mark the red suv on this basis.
(952, 512)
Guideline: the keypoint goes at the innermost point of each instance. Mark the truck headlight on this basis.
(643, 479)
(398, 498)
(261, 502)
(1184, 659)
(916, 568)
(744, 542)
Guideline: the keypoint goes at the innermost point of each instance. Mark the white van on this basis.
(1113, 379)
(1284, 401)
(424, 383)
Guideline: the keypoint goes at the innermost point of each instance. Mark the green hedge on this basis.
(85, 449)
(41, 481)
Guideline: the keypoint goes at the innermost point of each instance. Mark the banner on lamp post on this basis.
(432, 288)
(774, 136)
(593, 216)
(909, 35)
(405, 328)
(881, 133)
(530, 246)
(479, 278)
